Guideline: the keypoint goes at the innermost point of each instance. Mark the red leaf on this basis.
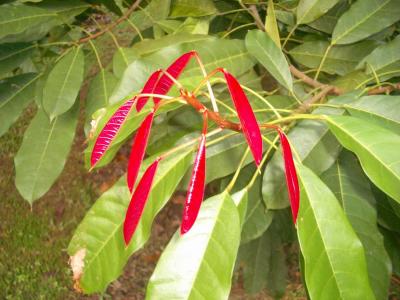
(291, 175)
(148, 89)
(138, 201)
(138, 149)
(246, 116)
(195, 193)
(175, 69)
(110, 130)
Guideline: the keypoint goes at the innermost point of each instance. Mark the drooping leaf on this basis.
(271, 25)
(138, 150)
(13, 55)
(246, 116)
(340, 59)
(332, 251)
(138, 201)
(24, 23)
(192, 8)
(264, 49)
(200, 263)
(382, 57)
(100, 232)
(63, 83)
(15, 93)
(310, 10)
(346, 179)
(123, 57)
(375, 147)
(365, 18)
(43, 153)
(379, 109)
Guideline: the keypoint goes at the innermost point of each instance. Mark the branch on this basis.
(112, 25)
(252, 10)
(384, 89)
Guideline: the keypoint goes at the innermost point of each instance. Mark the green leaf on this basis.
(271, 25)
(15, 94)
(392, 244)
(156, 11)
(375, 147)
(123, 57)
(63, 83)
(18, 22)
(194, 26)
(263, 48)
(310, 10)
(66, 10)
(192, 8)
(328, 21)
(99, 92)
(332, 252)
(199, 264)
(364, 18)
(43, 153)
(381, 110)
(13, 55)
(349, 184)
(264, 265)
(340, 59)
(317, 148)
(100, 232)
(388, 216)
(382, 57)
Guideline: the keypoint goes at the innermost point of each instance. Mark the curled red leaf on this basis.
(291, 175)
(246, 115)
(148, 89)
(138, 149)
(195, 193)
(175, 69)
(138, 201)
(110, 130)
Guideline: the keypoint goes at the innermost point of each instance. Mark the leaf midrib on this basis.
(3, 103)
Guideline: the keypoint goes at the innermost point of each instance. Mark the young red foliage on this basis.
(246, 115)
(138, 149)
(175, 69)
(148, 89)
(110, 130)
(195, 193)
(138, 201)
(291, 175)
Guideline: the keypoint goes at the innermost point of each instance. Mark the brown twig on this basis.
(306, 105)
(254, 12)
(112, 25)
(384, 89)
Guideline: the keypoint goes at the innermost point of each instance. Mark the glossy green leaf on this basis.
(66, 10)
(192, 8)
(379, 109)
(375, 147)
(332, 251)
(271, 25)
(99, 92)
(63, 83)
(21, 19)
(13, 55)
(100, 232)
(392, 244)
(310, 10)
(365, 18)
(347, 180)
(15, 93)
(123, 57)
(382, 57)
(263, 48)
(157, 10)
(240, 198)
(340, 59)
(317, 148)
(43, 153)
(327, 22)
(199, 264)
(263, 261)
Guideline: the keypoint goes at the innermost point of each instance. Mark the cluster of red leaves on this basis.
(160, 83)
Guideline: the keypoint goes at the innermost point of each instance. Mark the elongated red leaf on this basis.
(175, 69)
(246, 115)
(110, 130)
(138, 201)
(138, 149)
(195, 193)
(291, 175)
(148, 89)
